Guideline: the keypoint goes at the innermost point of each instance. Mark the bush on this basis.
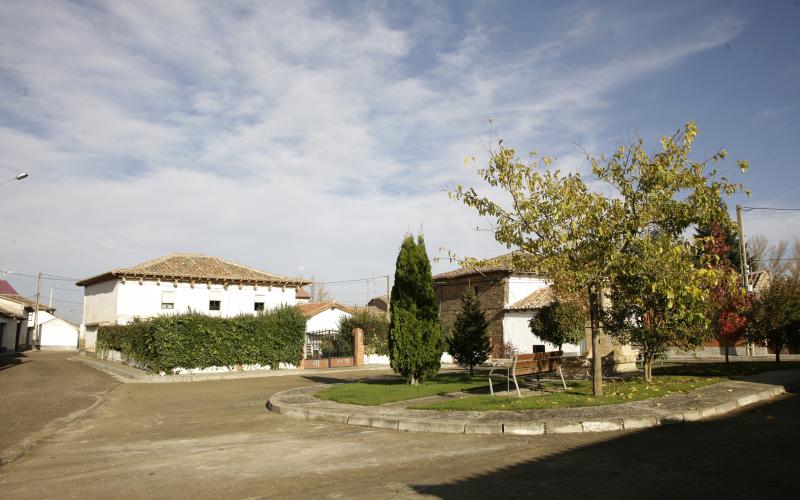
(195, 340)
(375, 327)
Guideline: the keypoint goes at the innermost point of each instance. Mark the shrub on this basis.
(375, 327)
(195, 340)
(559, 323)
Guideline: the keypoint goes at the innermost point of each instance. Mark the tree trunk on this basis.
(412, 379)
(778, 355)
(470, 370)
(727, 348)
(647, 363)
(597, 359)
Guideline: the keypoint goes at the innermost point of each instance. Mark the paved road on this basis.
(39, 387)
(215, 439)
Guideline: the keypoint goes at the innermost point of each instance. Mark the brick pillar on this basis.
(358, 346)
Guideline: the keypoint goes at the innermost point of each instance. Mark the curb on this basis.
(704, 403)
(130, 375)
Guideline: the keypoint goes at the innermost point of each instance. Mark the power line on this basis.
(67, 301)
(748, 209)
(774, 260)
(357, 280)
(57, 278)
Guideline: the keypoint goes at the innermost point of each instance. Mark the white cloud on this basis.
(282, 135)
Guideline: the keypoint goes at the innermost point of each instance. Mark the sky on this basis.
(306, 138)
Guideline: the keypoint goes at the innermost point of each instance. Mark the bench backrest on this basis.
(538, 362)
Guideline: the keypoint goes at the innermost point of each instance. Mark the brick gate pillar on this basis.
(358, 346)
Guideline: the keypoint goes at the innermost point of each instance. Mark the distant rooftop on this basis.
(198, 267)
(512, 262)
(7, 289)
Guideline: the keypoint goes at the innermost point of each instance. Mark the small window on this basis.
(167, 300)
(258, 306)
(213, 305)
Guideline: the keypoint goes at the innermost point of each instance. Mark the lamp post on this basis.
(17, 177)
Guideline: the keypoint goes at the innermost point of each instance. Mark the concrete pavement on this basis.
(215, 439)
(41, 390)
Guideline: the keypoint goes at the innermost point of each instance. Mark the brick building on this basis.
(508, 299)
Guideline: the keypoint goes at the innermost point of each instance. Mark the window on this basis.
(213, 305)
(167, 300)
(258, 304)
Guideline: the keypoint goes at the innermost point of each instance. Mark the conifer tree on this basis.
(415, 336)
(470, 343)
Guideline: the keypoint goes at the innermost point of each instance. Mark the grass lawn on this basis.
(377, 392)
(579, 393)
(670, 378)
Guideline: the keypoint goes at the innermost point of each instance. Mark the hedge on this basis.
(195, 340)
(375, 327)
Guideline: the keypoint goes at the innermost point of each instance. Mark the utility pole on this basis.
(388, 294)
(742, 250)
(743, 265)
(36, 311)
(50, 302)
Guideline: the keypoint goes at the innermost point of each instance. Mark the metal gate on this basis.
(328, 349)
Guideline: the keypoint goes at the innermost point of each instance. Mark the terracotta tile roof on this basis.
(302, 293)
(7, 289)
(516, 261)
(26, 302)
(535, 300)
(315, 308)
(199, 267)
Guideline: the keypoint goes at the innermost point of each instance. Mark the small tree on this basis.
(470, 344)
(415, 336)
(775, 315)
(559, 323)
(660, 301)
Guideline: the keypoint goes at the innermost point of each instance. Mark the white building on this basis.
(16, 325)
(13, 326)
(179, 283)
(56, 333)
(323, 316)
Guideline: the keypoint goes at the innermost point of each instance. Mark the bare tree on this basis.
(757, 252)
(318, 292)
(777, 258)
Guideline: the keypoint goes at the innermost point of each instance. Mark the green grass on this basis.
(670, 378)
(579, 393)
(378, 392)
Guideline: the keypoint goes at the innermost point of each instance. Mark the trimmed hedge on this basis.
(195, 340)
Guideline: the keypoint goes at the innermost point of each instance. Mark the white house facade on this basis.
(324, 316)
(180, 283)
(56, 333)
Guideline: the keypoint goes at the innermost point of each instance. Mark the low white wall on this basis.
(517, 330)
(117, 357)
(383, 360)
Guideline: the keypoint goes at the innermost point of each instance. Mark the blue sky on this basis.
(307, 137)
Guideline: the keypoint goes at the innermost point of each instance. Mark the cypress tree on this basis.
(470, 343)
(415, 336)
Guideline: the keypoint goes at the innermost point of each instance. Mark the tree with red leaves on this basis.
(729, 303)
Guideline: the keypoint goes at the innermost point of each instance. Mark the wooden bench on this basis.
(529, 364)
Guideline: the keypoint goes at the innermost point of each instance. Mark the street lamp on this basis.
(18, 177)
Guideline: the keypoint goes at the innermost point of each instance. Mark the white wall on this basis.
(10, 332)
(520, 286)
(326, 320)
(100, 303)
(55, 333)
(516, 329)
(143, 300)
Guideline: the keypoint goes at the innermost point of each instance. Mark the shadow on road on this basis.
(753, 454)
(11, 360)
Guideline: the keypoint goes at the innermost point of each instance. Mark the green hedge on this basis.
(195, 340)
(376, 331)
